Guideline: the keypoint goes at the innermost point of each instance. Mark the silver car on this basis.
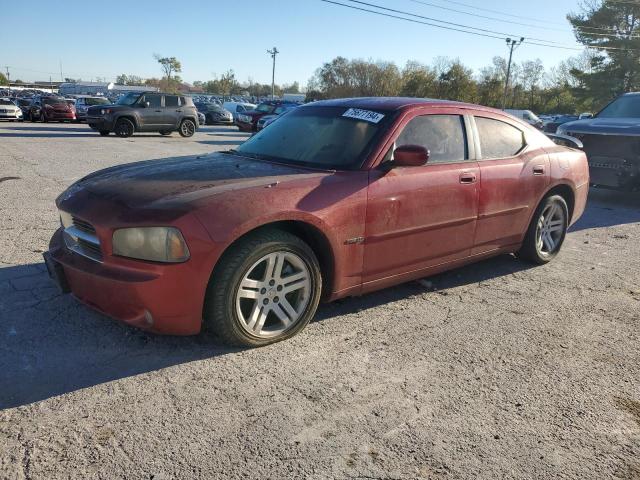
(83, 102)
(9, 110)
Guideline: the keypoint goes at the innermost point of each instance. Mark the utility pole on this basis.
(512, 44)
(273, 52)
(8, 75)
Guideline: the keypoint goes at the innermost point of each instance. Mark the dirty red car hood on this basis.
(178, 182)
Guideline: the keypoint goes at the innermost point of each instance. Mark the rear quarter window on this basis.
(498, 139)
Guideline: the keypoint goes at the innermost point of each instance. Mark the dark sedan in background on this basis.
(612, 143)
(214, 114)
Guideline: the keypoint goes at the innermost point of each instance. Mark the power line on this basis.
(502, 34)
(519, 17)
(464, 28)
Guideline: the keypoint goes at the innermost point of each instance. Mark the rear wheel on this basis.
(187, 128)
(124, 128)
(265, 289)
(547, 231)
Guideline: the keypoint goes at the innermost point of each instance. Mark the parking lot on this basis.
(496, 370)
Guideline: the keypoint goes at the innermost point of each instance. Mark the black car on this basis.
(214, 113)
(552, 125)
(24, 104)
(145, 112)
(611, 141)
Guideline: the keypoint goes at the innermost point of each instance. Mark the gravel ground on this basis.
(496, 370)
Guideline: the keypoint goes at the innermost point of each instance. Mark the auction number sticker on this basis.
(366, 115)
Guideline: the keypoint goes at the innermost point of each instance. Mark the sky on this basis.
(104, 39)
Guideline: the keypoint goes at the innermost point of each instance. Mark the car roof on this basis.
(395, 103)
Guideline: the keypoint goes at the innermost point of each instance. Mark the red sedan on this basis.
(338, 198)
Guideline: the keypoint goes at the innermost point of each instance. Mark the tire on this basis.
(547, 231)
(104, 133)
(124, 128)
(165, 132)
(244, 311)
(187, 128)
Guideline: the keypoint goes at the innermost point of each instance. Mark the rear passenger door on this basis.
(513, 177)
(173, 111)
(418, 217)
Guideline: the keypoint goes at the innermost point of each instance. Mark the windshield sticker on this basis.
(366, 115)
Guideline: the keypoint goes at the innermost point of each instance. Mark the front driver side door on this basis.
(152, 116)
(420, 217)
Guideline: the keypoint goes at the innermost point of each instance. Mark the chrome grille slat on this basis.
(81, 238)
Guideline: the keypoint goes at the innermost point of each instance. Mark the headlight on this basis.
(105, 111)
(65, 219)
(157, 244)
(244, 118)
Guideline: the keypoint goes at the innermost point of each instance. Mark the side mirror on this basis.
(410, 156)
(565, 141)
(145, 104)
(585, 115)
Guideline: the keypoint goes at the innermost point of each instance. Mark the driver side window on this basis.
(443, 135)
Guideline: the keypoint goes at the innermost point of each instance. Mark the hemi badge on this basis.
(353, 241)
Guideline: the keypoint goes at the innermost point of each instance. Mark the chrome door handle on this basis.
(538, 170)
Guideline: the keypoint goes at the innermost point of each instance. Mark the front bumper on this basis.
(100, 123)
(164, 299)
(245, 126)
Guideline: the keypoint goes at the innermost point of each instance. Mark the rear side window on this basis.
(442, 135)
(498, 139)
(171, 101)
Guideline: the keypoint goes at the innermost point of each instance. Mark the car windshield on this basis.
(624, 107)
(96, 101)
(54, 101)
(129, 99)
(323, 137)
(265, 108)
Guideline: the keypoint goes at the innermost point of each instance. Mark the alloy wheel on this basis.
(187, 128)
(550, 230)
(273, 295)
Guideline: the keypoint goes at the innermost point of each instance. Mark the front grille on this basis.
(83, 225)
(81, 238)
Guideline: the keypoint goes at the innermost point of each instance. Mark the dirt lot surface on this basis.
(497, 370)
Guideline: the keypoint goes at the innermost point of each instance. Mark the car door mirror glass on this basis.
(410, 156)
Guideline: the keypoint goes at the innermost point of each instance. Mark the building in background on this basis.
(100, 88)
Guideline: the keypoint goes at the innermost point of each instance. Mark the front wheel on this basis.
(547, 231)
(187, 128)
(124, 128)
(265, 289)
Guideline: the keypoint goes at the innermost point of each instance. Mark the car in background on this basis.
(83, 102)
(145, 112)
(248, 121)
(214, 114)
(278, 112)
(9, 110)
(337, 198)
(202, 120)
(237, 108)
(23, 103)
(611, 141)
(552, 124)
(527, 116)
(50, 108)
